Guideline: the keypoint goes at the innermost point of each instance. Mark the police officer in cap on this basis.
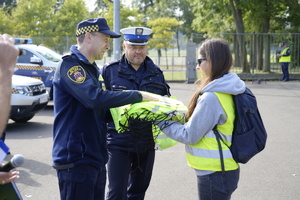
(79, 131)
(131, 154)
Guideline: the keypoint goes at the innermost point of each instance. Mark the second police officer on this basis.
(131, 159)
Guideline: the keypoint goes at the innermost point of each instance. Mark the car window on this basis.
(25, 58)
(49, 54)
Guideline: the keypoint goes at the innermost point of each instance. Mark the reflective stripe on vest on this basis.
(205, 154)
(285, 58)
(164, 109)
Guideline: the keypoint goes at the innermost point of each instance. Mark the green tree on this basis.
(129, 16)
(292, 15)
(167, 9)
(5, 23)
(144, 5)
(236, 9)
(32, 15)
(7, 5)
(268, 16)
(179, 9)
(212, 16)
(223, 16)
(242, 16)
(186, 16)
(258, 18)
(162, 34)
(65, 22)
(102, 4)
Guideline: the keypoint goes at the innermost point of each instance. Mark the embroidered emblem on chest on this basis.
(77, 74)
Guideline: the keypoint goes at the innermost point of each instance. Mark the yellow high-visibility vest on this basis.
(285, 58)
(164, 109)
(205, 154)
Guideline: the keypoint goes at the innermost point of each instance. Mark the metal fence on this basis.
(261, 50)
(266, 46)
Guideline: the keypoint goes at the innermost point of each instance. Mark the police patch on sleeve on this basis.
(77, 74)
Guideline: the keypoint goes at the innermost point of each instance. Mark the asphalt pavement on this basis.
(273, 174)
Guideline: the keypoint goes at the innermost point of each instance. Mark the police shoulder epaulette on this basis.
(65, 55)
(111, 63)
(158, 68)
(150, 62)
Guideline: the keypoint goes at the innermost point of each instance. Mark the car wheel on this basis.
(22, 119)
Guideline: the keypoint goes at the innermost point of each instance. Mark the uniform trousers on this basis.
(129, 174)
(82, 182)
(285, 71)
(218, 185)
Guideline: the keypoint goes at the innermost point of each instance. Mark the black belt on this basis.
(61, 167)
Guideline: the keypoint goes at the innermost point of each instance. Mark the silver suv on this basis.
(29, 96)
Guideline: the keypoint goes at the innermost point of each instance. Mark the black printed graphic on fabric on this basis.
(141, 127)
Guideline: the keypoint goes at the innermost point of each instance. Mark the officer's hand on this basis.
(147, 97)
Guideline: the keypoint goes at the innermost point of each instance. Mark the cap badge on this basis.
(139, 31)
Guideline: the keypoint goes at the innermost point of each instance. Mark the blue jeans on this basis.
(82, 182)
(218, 186)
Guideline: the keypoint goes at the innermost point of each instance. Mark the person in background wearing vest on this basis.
(131, 159)
(285, 59)
(205, 111)
(79, 132)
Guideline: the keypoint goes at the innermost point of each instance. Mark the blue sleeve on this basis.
(84, 85)
(167, 87)
(287, 53)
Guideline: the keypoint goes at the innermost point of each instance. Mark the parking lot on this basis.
(273, 174)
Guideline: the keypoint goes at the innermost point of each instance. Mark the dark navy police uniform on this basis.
(131, 161)
(79, 130)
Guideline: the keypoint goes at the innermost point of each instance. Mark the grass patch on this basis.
(175, 76)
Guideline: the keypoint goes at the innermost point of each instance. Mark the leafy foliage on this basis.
(5, 25)
(55, 19)
(162, 32)
(31, 16)
(64, 23)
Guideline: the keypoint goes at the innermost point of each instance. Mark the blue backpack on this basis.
(249, 134)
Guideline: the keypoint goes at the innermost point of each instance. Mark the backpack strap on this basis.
(218, 137)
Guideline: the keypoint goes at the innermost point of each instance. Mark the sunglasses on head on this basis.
(200, 60)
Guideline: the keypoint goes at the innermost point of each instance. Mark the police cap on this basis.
(136, 35)
(95, 25)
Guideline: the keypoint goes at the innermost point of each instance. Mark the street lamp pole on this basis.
(117, 47)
